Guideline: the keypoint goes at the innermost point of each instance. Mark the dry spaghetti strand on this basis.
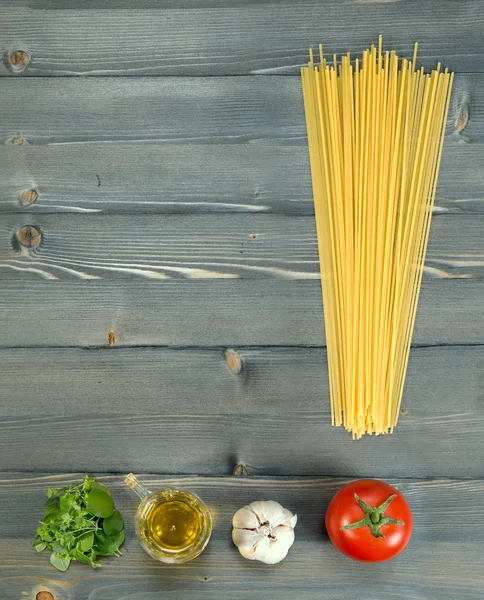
(375, 134)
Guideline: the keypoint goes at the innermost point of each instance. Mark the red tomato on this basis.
(369, 520)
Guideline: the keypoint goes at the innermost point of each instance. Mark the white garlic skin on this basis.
(264, 531)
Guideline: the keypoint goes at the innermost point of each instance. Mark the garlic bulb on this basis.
(264, 531)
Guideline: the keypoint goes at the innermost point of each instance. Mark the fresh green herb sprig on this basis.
(80, 523)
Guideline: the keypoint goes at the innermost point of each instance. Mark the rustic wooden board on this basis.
(225, 38)
(442, 562)
(185, 412)
(188, 178)
(209, 313)
(147, 153)
(212, 246)
(230, 110)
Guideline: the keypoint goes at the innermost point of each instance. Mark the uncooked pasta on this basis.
(375, 132)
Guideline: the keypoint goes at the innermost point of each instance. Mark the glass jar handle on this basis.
(132, 482)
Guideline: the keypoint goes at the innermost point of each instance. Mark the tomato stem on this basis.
(374, 517)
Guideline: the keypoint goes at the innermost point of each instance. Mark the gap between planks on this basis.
(208, 348)
(215, 478)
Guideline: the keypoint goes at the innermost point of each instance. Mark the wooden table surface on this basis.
(169, 322)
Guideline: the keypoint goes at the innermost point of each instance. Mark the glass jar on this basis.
(173, 526)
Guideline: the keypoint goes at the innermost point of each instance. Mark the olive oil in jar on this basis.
(174, 525)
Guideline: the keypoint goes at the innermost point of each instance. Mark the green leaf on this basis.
(81, 557)
(117, 539)
(113, 524)
(97, 485)
(65, 502)
(69, 539)
(105, 546)
(66, 518)
(45, 535)
(39, 546)
(101, 538)
(51, 513)
(82, 523)
(100, 504)
(51, 501)
(93, 557)
(109, 550)
(59, 548)
(61, 563)
(86, 541)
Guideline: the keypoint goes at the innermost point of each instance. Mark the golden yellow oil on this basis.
(172, 523)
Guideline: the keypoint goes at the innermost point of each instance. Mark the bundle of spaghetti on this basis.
(375, 133)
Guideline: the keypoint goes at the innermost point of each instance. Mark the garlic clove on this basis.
(246, 541)
(266, 510)
(263, 550)
(272, 551)
(245, 518)
(287, 519)
(284, 535)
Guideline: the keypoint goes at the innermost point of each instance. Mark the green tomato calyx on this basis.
(374, 517)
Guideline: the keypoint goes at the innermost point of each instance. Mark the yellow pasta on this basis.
(375, 133)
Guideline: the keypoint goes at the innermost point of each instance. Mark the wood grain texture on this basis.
(440, 563)
(213, 246)
(113, 330)
(226, 38)
(189, 178)
(209, 313)
(215, 110)
(185, 412)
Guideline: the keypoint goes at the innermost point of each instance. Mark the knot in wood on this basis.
(17, 140)
(28, 197)
(234, 361)
(18, 60)
(240, 470)
(29, 236)
(462, 119)
(44, 596)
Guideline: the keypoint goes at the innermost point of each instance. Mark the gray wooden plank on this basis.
(138, 409)
(230, 110)
(232, 38)
(442, 562)
(210, 313)
(187, 178)
(197, 110)
(169, 381)
(209, 246)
